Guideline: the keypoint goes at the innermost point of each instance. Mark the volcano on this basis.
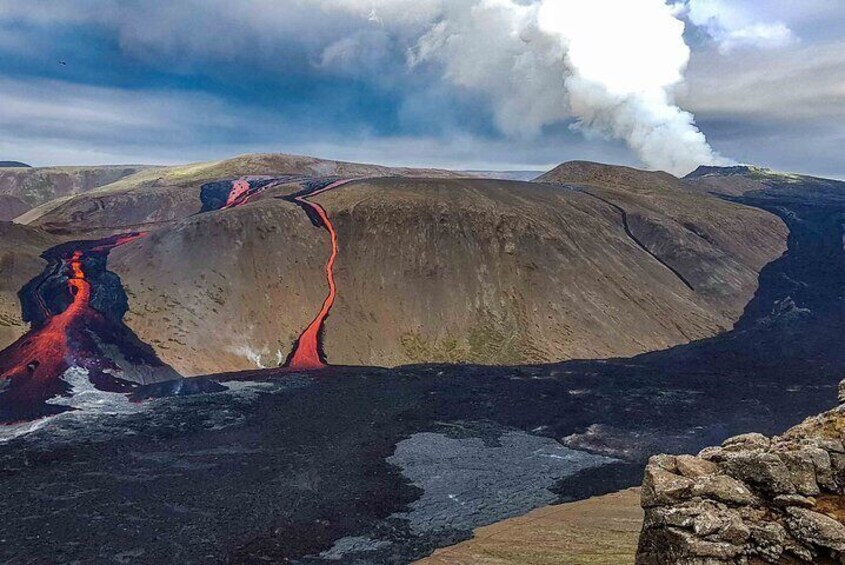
(429, 269)
(281, 289)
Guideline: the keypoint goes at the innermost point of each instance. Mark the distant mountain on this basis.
(36, 185)
(157, 194)
(13, 164)
(506, 175)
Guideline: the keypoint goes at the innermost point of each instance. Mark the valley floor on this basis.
(598, 531)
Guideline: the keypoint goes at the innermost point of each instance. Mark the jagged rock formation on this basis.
(753, 500)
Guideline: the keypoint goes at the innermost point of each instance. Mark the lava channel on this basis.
(307, 353)
(67, 330)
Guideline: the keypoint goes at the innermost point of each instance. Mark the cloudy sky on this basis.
(478, 84)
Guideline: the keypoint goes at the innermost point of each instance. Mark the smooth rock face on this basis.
(752, 500)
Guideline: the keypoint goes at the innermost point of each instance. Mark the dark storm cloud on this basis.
(176, 81)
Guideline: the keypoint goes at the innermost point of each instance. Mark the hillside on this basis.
(442, 270)
(429, 269)
(169, 193)
(20, 250)
(597, 531)
(36, 186)
(11, 207)
(695, 236)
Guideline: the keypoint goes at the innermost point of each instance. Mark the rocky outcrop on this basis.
(752, 500)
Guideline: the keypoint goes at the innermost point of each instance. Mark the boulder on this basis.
(751, 500)
(694, 467)
(816, 529)
(661, 487)
(723, 488)
(765, 471)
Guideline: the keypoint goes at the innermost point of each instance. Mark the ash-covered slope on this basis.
(170, 193)
(38, 185)
(709, 244)
(429, 269)
(442, 270)
(20, 261)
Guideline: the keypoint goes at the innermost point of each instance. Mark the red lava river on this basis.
(307, 353)
(76, 308)
(31, 368)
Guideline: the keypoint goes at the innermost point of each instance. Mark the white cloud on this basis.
(614, 66)
(800, 85)
(733, 25)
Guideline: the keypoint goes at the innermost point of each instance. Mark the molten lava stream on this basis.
(307, 354)
(239, 194)
(33, 366)
(39, 359)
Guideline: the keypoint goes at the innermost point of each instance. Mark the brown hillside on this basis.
(477, 271)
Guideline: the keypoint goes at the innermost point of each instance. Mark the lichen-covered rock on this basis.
(816, 529)
(767, 540)
(694, 467)
(747, 442)
(661, 487)
(751, 500)
(764, 470)
(723, 488)
(802, 471)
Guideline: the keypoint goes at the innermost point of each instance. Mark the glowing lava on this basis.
(31, 368)
(239, 194)
(307, 351)
(307, 354)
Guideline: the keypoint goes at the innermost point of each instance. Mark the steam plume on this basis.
(610, 64)
(624, 58)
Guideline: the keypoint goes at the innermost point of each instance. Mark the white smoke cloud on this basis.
(610, 66)
(625, 57)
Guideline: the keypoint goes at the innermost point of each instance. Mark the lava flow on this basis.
(68, 330)
(307, 354)
(239, 194)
